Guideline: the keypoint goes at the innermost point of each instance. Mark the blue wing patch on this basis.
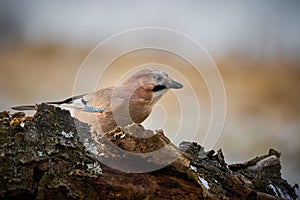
(92, 109)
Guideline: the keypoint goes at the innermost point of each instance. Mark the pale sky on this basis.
(259, 28)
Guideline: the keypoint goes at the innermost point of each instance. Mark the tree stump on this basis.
(51, 155)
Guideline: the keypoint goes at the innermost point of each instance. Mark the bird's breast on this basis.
(140, 104)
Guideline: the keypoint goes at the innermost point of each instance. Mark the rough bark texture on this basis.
(53, 156)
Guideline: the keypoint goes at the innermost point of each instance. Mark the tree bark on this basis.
(52, 155)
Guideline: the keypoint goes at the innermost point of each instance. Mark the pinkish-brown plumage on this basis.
(127, 103)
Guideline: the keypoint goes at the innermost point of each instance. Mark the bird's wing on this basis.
(99, 101)
(108, 99)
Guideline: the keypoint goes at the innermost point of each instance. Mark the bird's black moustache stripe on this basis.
(158, 88)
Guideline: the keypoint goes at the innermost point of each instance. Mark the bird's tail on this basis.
(32, 107)
(20, 108)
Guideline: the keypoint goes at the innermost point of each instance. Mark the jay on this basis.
(121, 105)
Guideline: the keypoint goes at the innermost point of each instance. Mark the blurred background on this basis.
(255, 44)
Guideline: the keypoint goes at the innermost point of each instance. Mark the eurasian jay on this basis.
(121, 105)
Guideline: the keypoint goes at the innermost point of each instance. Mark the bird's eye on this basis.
(158, 78)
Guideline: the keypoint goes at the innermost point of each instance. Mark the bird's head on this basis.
(155, 81)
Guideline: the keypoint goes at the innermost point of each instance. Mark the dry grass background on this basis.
(263, 96)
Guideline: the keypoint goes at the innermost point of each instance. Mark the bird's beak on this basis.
(173, 84)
